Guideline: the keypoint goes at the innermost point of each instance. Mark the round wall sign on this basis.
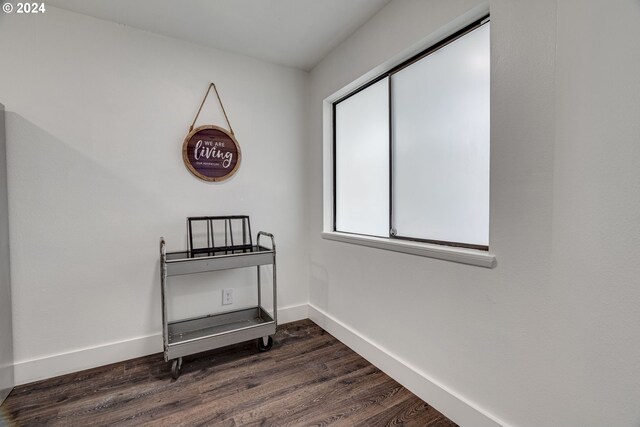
(211, 153)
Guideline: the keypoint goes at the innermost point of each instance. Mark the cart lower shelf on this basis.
(191, 336)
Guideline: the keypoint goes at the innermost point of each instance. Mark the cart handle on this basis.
(264, 233)
(163, 250)
(163, 292)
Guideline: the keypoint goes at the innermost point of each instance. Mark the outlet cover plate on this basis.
(227, 296)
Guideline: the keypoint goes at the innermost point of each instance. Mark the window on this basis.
(362, 161)
(411, 147)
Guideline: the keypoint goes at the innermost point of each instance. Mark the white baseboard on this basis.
(27, 371)
(293, 313)
(3, 395)
(444, 400)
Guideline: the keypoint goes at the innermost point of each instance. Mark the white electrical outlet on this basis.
(227, 296)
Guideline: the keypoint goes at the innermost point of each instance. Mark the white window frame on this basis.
(482, 258)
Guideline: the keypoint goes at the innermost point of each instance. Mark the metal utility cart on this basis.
(235, 249)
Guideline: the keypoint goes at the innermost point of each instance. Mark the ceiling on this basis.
(295, 33)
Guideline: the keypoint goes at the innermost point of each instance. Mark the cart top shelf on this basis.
(178, 263)
(189, 256)
(217, 243)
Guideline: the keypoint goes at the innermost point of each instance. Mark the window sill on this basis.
(447, 253)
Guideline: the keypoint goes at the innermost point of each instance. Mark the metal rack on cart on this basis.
(235, 249)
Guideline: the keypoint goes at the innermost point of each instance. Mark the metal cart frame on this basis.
(189, 336)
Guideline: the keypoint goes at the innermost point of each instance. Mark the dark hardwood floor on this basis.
(308, 378)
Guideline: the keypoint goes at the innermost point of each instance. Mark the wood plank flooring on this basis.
(307, 378)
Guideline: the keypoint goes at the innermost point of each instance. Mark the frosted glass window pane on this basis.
(440, 139)
(362, 161)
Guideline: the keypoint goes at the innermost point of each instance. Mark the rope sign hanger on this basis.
(211, 85)
(211, 152)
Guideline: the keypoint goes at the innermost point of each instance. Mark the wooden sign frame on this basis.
(216, 153)
(230, 138)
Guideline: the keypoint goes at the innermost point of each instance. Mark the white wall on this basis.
(595, 289)
(549, 337)
(96, 116)
(6, 329)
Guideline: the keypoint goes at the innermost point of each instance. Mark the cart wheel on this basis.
(262, 347)
(176, 367)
